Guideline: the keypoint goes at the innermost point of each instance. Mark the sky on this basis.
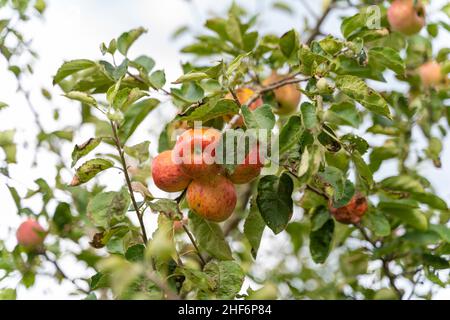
(75, 29)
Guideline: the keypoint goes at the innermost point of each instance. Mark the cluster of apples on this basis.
(408, 18)
(30, 234)
(210, 189)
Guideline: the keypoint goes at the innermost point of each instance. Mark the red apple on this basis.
(430, 74)
(30, 234)
(167, 175)
(405, 17)
(352, 212)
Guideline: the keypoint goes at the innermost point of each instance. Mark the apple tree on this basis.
(346, 200)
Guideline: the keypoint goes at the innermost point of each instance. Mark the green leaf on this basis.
(82, 97)
(442, 231)
(126, 39)
(364, 172)
(8, 145)
(191, 76)
(289, 43)
(8, 294)
(346, 112)
(107, 209)
(233, 30)
(135, 253)
(254, 228)
(275, 201)
(135, 114)
(388, 58)
(319, 218)
(83, 149)
(290, 134)
(353, 24)
(377, 222)
(62, 216)
(353, 142)
(226, 278)
(260, 118)
(430, 199)
(3, 105)
(139, 151)
(157, 79)
(335, 178)
(358, 90)
(320, 242)
(212, 110)
(145, 62)
(309, 116)
(89, 170)
(401, 183)
(283, 6)
(166, 206)
(209, 237)
(70, 67)
(411, 216)
(99, 280)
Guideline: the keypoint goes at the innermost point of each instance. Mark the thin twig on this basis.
(62, 273)
(316, 30)
(191, 237)
(128, 180)
(286, 81)
(385, 262)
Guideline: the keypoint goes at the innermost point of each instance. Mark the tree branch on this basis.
(316, 30)
(128, 180)
(385, 262)
(62, 273)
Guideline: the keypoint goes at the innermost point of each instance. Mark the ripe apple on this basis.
(406, 17)
(213, 199)
(430, 74)
(30, 234)
(288, 96)
(249, 169)
(352, 212)
(244, 95)
(196, 151)
(168, 175)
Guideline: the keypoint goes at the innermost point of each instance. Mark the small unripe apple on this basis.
(430, 74)
(244, 95)
(196, 150)
(249, 169)
(213, 199)
(406, 17)
(288, 96)
(30, 234)
(167, 175)
(352, 212)
(324, 87)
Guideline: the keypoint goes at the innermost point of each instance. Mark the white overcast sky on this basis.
(74, 29)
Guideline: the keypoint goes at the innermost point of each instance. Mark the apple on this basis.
(406, 17)
(167, 175)
(249, 169)
(352, 212)
(288, 96)
(196, 150)
(430, 74)
(213, 199)
(30, 234)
